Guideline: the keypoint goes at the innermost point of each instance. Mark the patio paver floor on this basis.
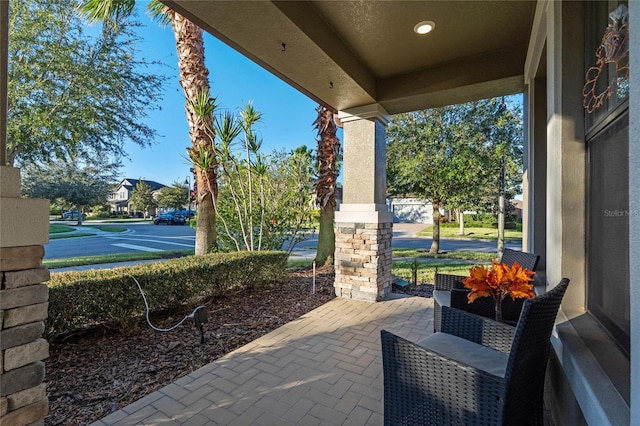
(325, 368)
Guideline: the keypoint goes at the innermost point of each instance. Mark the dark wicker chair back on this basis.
(448, 282)
(529, 354)
(526, 260)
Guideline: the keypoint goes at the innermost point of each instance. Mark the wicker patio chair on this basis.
(444, 283)
(442, 286)
(476, 372)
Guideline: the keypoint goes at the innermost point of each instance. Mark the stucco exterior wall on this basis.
(578, 389)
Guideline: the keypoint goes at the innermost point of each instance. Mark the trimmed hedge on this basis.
(78, 300)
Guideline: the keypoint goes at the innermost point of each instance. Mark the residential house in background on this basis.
(119, 198)
(410, 210)
(517, 208)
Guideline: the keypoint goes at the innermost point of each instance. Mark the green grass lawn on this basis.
(450, 263)
(427, 271)
(58, 231)
(112, 258)
(118, 220)
(107, 228)
(299, 263)
(74, 235)
(424, 254)
(479, 233)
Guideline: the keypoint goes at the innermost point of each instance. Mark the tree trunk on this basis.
(435, 240)
(326, 187)
(206, 235)
(326, 236)
(461, 221)
(194, 79)
(501, 212)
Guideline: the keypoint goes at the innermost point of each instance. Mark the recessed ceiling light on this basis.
(424, 27)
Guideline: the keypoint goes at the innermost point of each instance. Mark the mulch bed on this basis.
(92, 374)
(422, 290)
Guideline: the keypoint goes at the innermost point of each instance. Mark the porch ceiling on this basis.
(351, 53)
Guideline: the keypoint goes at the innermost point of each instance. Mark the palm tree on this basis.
(195, 83)
(327, 157)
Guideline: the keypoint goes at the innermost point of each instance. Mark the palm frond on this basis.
(159, 12)
(106, 11)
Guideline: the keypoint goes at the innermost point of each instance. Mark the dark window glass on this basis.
(608, 233)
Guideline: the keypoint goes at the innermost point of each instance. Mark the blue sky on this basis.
(287, 114)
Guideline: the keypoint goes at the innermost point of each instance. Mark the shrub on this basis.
(102, 214)
(55, 210)
(78, 300)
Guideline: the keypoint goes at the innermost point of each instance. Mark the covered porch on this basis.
(580, 179)
(364, 60)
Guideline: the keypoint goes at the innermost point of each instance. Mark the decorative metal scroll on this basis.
(613, 49)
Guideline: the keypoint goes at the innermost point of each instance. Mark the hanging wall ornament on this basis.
(613, 49)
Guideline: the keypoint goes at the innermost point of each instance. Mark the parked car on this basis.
(188, 214)
(170, 219)
(72, 215)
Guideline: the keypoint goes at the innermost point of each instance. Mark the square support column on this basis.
(24, 228)
(364, 225)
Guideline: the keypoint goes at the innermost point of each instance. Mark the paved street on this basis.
(141, 237)
(138, 237)
(405, 236)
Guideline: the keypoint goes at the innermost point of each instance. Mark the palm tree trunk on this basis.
(327, 152)
(194, 79)
(326, 236)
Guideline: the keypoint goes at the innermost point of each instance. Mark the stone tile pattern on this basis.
(363, 260)
(23, 309)
(323, 369)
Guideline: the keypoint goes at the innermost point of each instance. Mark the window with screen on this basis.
(607, 122)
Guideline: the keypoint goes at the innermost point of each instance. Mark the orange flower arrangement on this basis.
(499, 281)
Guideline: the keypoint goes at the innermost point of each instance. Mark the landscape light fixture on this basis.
(424, 27)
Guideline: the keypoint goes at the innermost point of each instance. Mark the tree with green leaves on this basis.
(265, 199)
(73, 183)
(328, 151)
(451, 155)
(282, 202)
(71, 93)
(142, 198)
(174, 196)
(199, 108)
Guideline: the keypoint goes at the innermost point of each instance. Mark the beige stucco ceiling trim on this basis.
(498, 72)
(456, 95)
(366, 112)
(286, 51)
(311, 46)
(537, 41)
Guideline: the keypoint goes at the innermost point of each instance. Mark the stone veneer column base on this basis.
(23, 304)
(363, 260)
